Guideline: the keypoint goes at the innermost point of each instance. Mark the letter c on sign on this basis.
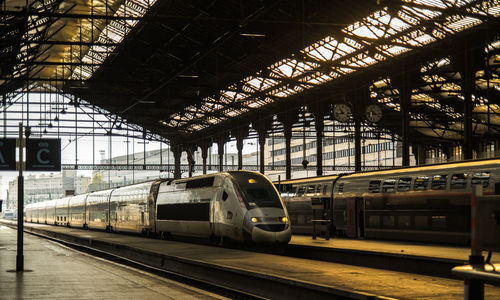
(39, 156)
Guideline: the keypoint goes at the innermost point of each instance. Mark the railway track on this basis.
(226, 281)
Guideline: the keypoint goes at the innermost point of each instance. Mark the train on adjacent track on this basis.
(235, 205)
(429, 203)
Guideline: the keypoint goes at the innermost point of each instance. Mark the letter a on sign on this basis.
(7, 154)
(43, 155)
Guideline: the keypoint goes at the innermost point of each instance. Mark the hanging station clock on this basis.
(342, 112)
(373, 113)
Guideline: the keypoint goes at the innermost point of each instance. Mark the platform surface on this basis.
(374, 281)
(53, 271)
(392, 247)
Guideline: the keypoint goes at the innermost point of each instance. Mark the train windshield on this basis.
(256, 190)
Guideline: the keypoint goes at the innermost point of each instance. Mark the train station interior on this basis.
(324, 149)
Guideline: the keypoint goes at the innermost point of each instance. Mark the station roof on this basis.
(188, 70)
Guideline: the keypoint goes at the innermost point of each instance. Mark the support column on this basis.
(190, 151)
(261, 127)
(288, 119)
(220, 150)
(319, 110)
(405, 98)
(468, 87)
(358, 105)
(204, 154)
(357, 143)
(419, 153)
(403, 82)
(240, 134)
(262, 144)
(467, 62)
(177, 151)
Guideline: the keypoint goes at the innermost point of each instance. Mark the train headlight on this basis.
(254, 220)
(284, 219)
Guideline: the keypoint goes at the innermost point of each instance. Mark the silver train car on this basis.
(423, 203)
(236, 205)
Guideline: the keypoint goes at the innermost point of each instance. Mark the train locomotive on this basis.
(239, 206)
(423, 203)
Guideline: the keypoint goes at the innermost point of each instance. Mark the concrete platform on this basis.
(417, 258)
(53, 271)
(272, 268)
(456, 253)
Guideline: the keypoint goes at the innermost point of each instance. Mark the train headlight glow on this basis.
(284, 219)
(251, 180)
(254, 220)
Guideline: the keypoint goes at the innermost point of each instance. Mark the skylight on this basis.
(390, 33)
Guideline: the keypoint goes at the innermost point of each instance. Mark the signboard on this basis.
(43, 155)
(7, 154)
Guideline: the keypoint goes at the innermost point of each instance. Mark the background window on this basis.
(438, 182)
(481, 178)
(374, 186)
(404, 184)
(420, 183)
(458, 181)
(388, 186)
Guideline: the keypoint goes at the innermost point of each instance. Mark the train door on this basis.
(350, 218)
(360, 217)
(355, 217)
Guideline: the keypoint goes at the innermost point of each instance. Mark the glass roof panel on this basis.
(459, 24)
(351, 53)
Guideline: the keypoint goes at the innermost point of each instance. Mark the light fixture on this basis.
(188, 76)
(248, 34)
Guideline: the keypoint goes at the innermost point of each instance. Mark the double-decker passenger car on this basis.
(423, 203)
(236, 205)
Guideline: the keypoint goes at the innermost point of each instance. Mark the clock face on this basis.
(373, 113)
(341, 112)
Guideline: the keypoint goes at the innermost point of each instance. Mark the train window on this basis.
(255, 190)
(374, 221)
(300, 191)
(421, 222)
(341, 187)
(199, 183)
(318, 189)
(481, 178)
(458, 181)
(420, 183)
(374, 186)
(404, 221)
(438, 182)
(311, 189)
(224, 196)
(438, 222)
(327, 189)
(404, 184)
(388, 220)
(388, 186)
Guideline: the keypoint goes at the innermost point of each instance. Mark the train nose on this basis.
(262, 236)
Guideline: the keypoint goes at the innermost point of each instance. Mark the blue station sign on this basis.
(43, 155)
(7, 154)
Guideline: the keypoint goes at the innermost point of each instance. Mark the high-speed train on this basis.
(236, 205)
(423, 203)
